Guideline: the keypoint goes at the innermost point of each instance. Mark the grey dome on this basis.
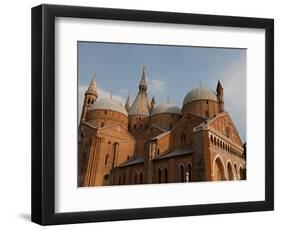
(201, 93)
(166, 108)
(109, 104)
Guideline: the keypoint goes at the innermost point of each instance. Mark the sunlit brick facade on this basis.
(144, 143)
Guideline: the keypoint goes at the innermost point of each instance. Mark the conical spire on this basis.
(141, 105)
(152, 103)
(219, 86)
(93, 87)
(143, 84)
(128, 103)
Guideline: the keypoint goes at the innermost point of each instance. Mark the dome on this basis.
(166, 108)
(201, 93)
(109, 104)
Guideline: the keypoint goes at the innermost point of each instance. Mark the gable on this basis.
(224, 124)
(185, 126)
(115, 131)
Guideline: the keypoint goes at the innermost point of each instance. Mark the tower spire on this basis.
(152, 103)
(143, 84)
(128, 103)
(220, 96)
(90, 97)
(92, 87)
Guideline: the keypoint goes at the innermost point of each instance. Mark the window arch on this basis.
(170, 126)
(166, 175)
(181, 173)
(189, 172)
(159, 175)
(106, 159)
(136, 178)
(141, 178)
(182, 137)
(212, 138)
(124, 178)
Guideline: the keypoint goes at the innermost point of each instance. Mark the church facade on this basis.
(145, 143)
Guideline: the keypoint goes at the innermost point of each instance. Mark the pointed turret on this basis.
(92, 90)
(128, 103)
(220, 96)
(90, 97)
(152, 104)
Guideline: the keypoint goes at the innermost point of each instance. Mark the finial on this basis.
(168, 99)
(110, 94)
(200, 84)
(143, 67)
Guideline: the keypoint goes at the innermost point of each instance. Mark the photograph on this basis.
(153, 114)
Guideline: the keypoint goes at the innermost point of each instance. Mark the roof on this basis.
(134, 161)
(200, 93)
(176, 152)
(166, 108)
(140, 105)
(109, 104)
(92, 87)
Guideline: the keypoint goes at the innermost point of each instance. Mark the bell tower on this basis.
(90, 97)
(220, 97)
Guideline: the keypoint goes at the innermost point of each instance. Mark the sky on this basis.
(171, 72)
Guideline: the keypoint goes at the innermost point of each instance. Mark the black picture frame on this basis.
(43, 114)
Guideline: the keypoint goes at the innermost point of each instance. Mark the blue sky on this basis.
(171, 71)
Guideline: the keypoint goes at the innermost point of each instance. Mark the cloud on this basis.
(156, 86)
(101, 94)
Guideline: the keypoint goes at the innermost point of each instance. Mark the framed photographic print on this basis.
(142, 114)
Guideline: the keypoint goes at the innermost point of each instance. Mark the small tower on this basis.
(220, 97)
(90, 97)
(152, 104)
(128, 103)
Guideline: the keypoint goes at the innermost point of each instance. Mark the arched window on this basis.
(159, 175)
(105, 112)
(189, 172)
(212, 138)
(141, 178)
(182, 173)
(170, 126)
(92, 102)
(89, 101)
(158, 151)
(136, 178)
(182, 137)
(102, 124)
(124, 179)
(119, 180)
(166, 175)
(106, 159)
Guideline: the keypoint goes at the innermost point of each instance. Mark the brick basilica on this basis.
(145, 143)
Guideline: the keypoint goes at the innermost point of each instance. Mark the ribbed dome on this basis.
(109, 104)
(166, 108)
(201, 93)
